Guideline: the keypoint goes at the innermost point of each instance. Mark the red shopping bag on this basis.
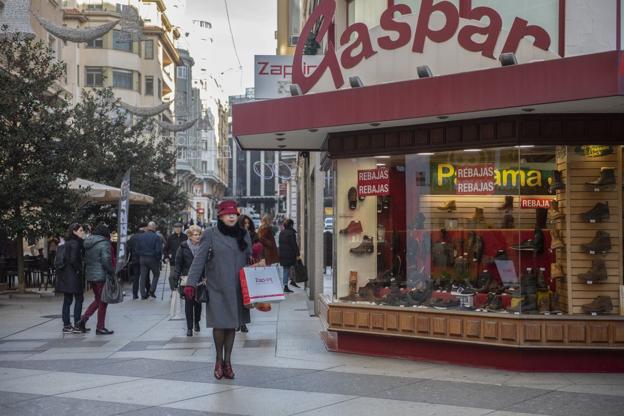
(261, 284)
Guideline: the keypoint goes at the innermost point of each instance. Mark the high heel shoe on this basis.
(218, 370)
(227, 370)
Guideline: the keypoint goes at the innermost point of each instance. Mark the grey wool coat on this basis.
(225, 301)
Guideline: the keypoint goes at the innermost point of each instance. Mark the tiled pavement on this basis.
(149, 367)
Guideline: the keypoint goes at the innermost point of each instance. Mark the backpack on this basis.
(59, 260)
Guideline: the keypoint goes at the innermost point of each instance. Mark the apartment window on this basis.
(52, 46)
(96, 43)
(159, 88)
(148, 49)
(94, 76)
(204, 167)
(122, 79)
(120, 8)
(122, 41)
(99, 6)
(182, 72)
(78, 75)
(139, 83)
(149, 85)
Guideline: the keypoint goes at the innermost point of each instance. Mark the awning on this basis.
(103, 194)
(581, 84)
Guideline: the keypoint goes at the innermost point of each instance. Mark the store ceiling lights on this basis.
(280, 134)
(472, 150)
(375, 124)
(508, 59)
(382, 157)
(528, 110)
(355, 82)
(295, 90)
(312, 130)
(281, 146)
(425, 154)
(424, 71)
(280, 139)
(443, 117)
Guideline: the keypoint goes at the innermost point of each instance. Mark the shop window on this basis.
(501, 230)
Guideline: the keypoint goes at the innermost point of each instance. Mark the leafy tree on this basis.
(113, 144)
(36, 151)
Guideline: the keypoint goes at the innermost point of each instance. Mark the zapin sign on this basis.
(472, 37)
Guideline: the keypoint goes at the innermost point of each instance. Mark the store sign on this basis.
(447, 37)
(273, 74)
(374, 182)
(594, 150)
(534, 203)
(487, 179)
(476, 179)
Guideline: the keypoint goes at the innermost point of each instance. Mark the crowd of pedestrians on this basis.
(196, 256)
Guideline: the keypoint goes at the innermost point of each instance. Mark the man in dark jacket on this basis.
(135, 264)
(288, 251)
(149, 249)
(171, 248)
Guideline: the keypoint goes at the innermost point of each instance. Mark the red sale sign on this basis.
(374, 182)
(534, 203)
(477, 179)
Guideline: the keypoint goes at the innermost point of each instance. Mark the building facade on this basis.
(478, 193)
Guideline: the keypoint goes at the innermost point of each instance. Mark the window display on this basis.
(519, 230)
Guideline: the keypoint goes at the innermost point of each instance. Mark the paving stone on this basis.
(571, 404)
(461, 394)
(62, 406)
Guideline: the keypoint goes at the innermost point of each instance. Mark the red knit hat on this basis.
(227, 207)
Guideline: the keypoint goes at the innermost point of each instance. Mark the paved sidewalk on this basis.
(150, 367)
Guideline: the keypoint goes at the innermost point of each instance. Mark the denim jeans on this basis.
(286, 274)
(149, 264)
(67, 301)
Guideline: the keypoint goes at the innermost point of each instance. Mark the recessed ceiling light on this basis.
(375, 124)
(281, 146)
(280, 139)
(312, 130)
(443, 117)
(381, 164)
(524, 146)
(472, 150)
(528, 110)
(382, 157)
(279, 134)
(426, 154)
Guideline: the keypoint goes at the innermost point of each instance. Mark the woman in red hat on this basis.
(223, 251)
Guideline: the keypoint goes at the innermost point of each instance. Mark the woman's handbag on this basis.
(183, 280)
(201, 293)
(301, 273)
(112, 292)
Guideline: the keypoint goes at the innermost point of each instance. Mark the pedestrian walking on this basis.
(183, 260)
(257, 250)
(69, 277)
(288, 252)
(267, 238)
(170, 253)
(98, 267)
(134, 261)
(224, 250)
(149, 248)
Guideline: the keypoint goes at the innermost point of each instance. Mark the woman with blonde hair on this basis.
(183, 260)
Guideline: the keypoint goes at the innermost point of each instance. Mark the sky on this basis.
(253, 24)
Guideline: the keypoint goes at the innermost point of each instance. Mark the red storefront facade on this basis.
(480, 211)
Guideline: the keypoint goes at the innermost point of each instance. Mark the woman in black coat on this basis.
(69, 280)
(288, 251)
(183, 260)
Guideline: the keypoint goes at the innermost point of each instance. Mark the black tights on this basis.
(224, 343)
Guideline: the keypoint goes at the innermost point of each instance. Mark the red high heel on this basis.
(218, 370)
(227, 370)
